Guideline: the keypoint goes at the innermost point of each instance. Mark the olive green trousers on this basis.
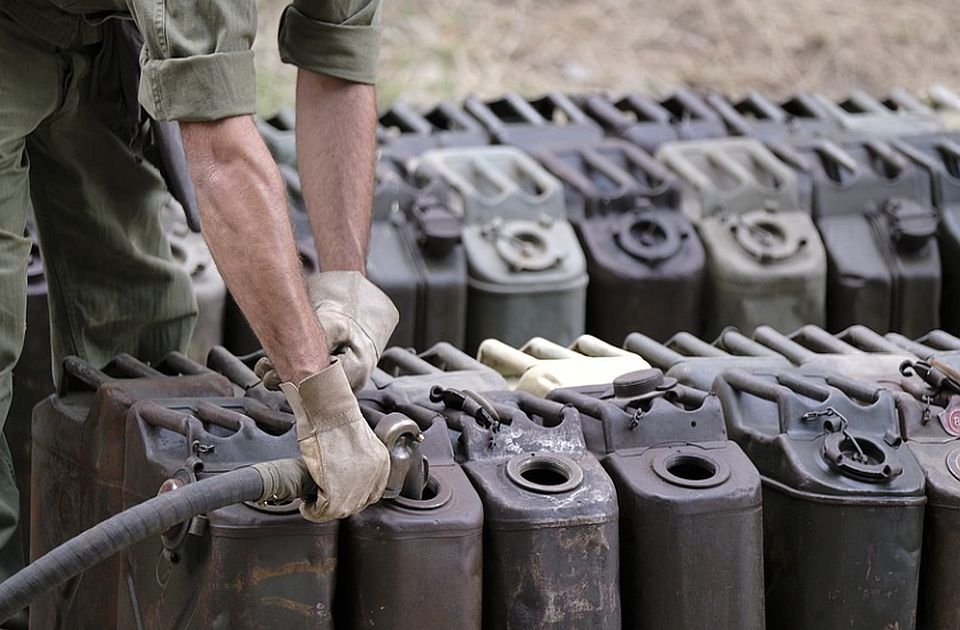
(113, 285)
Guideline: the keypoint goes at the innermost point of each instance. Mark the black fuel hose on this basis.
(281, 479)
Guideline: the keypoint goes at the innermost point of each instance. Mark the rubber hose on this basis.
(129, 527)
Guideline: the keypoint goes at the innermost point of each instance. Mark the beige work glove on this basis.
(357, 320)
(349, 464)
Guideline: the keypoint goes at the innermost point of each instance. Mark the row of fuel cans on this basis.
(561, 215)
(787, 481)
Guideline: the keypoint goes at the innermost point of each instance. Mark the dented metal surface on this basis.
(551, 544)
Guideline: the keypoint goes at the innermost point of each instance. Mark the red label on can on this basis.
(950, 419)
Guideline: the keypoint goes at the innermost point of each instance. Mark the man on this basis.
(66, 156)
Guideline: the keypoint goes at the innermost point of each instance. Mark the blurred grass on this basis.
(437, 49)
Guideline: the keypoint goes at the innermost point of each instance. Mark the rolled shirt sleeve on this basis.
(339, 38)
(197, 62)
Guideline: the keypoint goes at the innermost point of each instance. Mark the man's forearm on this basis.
(336, 154)
(244, 216)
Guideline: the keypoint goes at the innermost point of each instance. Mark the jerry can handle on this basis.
(885, 153)
(834, 157)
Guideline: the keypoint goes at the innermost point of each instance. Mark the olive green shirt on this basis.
(197, 62)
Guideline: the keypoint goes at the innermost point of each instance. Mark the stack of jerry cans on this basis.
(416, 562)
(939, 155)
(843, 498)
(898, 115)
(765, 261)
(643, 257)
(531, 124)
(689, 499)
(551, 540)
(540, 366)
(873, 208)
(415, 256)
(406, 132)
(527, 273)
(244, 566)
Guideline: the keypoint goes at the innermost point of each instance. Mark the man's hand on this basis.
(349, 464)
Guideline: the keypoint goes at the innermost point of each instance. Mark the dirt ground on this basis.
(448, 48)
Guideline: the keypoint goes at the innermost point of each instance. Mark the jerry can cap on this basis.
(638, 383)
(647, 237)
(912, 225)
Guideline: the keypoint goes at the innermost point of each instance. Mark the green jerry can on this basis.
(898, 115)
(531, 124)
(691, 544)
(416, 562)
(78, 459)
(527, 274)
(551, 539)
(645, 263)
(540, 366)
(696, 363)
(874, 210)
(406, 132)
(843, 498)
(765, 261)
(939, 156)
(245, 566)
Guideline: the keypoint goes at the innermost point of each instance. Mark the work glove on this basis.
(349, 464)
(357, 320)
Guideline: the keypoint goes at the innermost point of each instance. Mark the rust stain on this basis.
(304, 610)
(260, 574)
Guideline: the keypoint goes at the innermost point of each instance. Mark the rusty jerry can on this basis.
(526, 271)
(645, 263)
(551, 543)
(79, 438)
(697, 363)
(540, 366)
(765, 260)
(406, 132)
(32, 382)
(244, 566)
(898, 115)
(690, 515)
(939, 156)
(416, 562)
(874, 210)
(843, 498)
(416, 257)
(531, 124)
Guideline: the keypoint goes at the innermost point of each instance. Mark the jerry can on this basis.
(32, 382)
(79, 438)
(644, 261)
(192, 254)
(636, 118)
(551, 541)
(526, 271)
(765, 261)
(530, 124)
(540, 366)
(899, 115)
(696, 363)
(692, 117)
(248, 565)
(406, 132)
(417, 259)
(756, 116)
(689, 501)
(867, 193)
(817, 350)
(417, 562)
(946, 105)
(939, 156)
(840, 490)
(937, 344)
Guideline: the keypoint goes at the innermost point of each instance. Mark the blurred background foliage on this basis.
(436, 49)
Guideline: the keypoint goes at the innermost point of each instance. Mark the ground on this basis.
(437, 49)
